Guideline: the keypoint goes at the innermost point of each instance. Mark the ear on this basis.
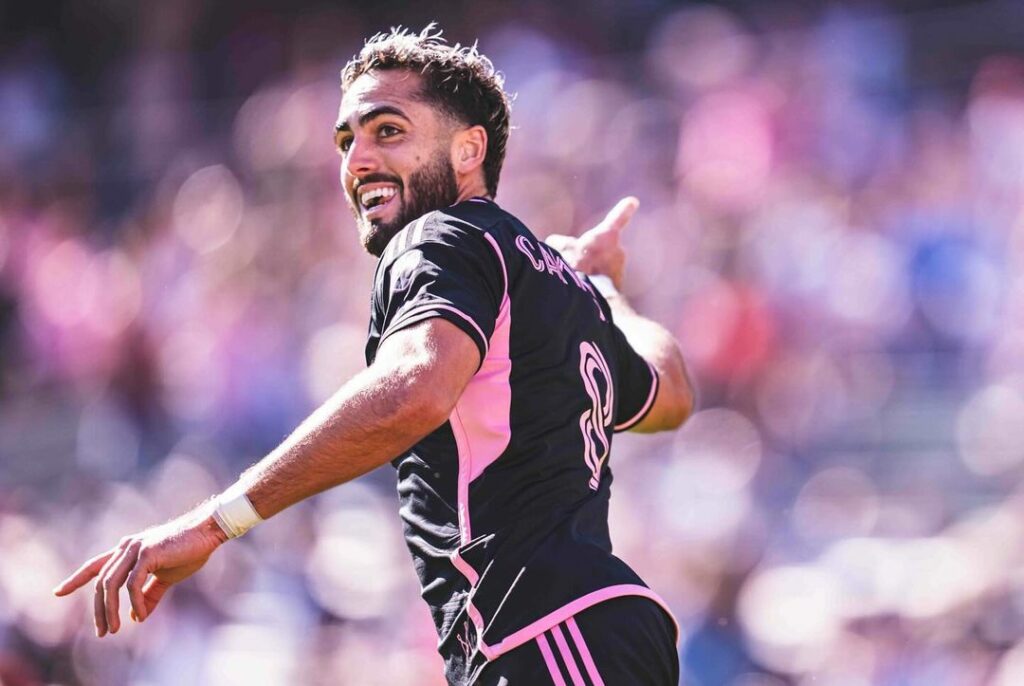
(469, 149)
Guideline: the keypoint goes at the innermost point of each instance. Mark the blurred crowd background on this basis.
(831, 223)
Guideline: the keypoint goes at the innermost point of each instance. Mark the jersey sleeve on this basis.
(637, 383)
(440, 269)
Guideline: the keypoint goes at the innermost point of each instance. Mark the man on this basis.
(496, 373)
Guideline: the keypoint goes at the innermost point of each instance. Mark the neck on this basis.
(472, 189)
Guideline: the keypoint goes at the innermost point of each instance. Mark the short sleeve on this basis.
(637, 383)
(441, 268)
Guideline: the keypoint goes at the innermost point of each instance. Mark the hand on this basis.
(598, 251)
(170, 553)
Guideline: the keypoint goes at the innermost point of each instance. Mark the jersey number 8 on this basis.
(597, 381)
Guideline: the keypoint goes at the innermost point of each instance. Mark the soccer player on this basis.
(498, 370)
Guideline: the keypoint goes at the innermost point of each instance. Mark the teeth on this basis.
(385, 193)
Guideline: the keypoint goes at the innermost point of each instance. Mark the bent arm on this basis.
(408, 391)
(598, 253)
(674, 401)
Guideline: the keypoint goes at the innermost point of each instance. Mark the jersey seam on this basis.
(468, 472)
(429, 311)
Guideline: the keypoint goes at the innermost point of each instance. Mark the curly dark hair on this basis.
(459, 79)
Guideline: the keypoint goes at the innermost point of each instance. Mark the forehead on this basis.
(401, 88)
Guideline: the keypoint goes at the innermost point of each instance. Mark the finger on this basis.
(99, 599)
(136, 580)
(152, 593)
(618, 217)
(82, 575)
(113, 580)
(99, 614)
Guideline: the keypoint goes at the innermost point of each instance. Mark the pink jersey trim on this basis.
(570, 661)
(478, 622)
(518, 638)
(465, 568)
(462, 445)
(549, 660)
(425, 311)
(635, 419)
(481, 421)
(581, 645)
(501, 258)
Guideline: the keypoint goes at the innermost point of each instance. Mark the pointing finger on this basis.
(81, 575)
(618, 217)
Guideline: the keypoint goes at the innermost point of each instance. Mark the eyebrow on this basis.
(367, 117)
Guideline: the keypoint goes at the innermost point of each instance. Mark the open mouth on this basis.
(375, 200)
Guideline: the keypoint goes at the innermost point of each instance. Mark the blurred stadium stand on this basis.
(831, 222)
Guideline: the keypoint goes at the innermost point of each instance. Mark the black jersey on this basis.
(505, 506)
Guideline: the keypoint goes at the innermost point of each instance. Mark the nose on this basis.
(360, 159)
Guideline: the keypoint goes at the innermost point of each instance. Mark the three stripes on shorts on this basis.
(567, 657)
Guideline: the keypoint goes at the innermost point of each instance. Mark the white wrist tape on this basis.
(234, 513)
(604, 285)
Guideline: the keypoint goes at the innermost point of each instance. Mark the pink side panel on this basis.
(563, 613)
(481, 421)
(570, 661)
(581, 646)
(486, 404)
(549, 660)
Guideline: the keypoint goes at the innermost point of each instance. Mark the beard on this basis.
(431, 187)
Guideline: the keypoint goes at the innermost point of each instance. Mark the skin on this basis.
(599, 252)
(386, 133)
(389, 134)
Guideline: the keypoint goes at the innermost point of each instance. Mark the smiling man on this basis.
(498, 372)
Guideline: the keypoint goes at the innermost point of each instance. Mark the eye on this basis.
(388, 130)
(344, 144)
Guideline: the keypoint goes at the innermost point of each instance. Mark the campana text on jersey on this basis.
(554, 264)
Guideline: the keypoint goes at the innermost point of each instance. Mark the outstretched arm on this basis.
(599, 253)
(409, 391)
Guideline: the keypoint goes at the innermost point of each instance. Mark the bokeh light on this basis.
(831, 225)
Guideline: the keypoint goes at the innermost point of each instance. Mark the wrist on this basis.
(211, 528)
(233, 513)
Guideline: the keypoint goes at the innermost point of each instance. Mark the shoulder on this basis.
(474, 226)
(440, 241)
(434, 228)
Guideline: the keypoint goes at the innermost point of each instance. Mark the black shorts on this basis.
(626, 641)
